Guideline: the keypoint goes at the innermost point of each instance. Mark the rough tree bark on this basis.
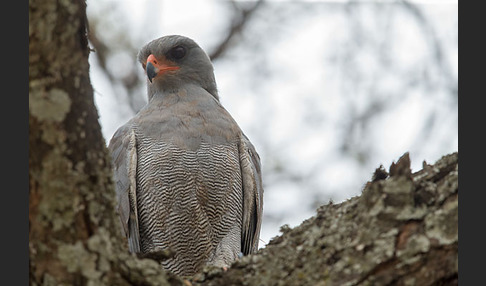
(402, 230)
(73, 237)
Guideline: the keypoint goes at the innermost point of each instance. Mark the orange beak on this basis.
(155, 67)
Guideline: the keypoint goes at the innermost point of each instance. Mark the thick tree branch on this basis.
(402, 230)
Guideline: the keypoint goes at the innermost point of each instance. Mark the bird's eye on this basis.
(177, 53)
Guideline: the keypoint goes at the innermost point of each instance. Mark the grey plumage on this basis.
(187, 178)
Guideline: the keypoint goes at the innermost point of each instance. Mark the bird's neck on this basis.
(165, 91)
(188, 92)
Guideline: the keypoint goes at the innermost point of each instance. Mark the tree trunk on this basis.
(73, 237)
(401, 230)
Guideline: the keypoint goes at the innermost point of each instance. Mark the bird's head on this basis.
(171, 62)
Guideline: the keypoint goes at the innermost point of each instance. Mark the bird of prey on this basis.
(187, 179)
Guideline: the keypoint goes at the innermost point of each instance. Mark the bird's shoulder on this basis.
(120, 139)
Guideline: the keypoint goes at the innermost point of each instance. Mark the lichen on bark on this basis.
(388, 235)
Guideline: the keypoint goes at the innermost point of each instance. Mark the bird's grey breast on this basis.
(189, 184)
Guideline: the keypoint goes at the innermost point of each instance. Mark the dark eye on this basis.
(177, 53)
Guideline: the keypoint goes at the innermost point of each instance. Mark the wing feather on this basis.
(252, 196)
(123, 149)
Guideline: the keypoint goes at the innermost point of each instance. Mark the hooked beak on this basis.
(152, 71)
(155, 67)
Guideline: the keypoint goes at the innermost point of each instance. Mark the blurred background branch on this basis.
(241, 16)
